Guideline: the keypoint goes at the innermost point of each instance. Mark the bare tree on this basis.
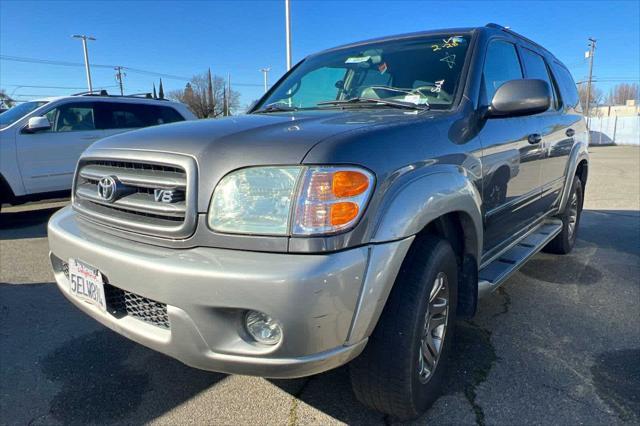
(623, 92)
(596, 96)
(197, 96)
(6, 99)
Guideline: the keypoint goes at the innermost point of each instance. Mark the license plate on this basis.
(85, 282)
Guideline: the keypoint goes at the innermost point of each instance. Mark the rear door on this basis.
(511, 158)
(118, 117)
(557, 133)
(48, 158)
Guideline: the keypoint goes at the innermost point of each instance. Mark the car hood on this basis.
(223, 145)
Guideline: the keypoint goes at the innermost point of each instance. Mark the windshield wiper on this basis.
(397, 104)
(275, 107)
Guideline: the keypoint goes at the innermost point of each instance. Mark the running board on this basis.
(494, 274)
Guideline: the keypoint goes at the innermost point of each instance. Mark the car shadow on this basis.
(15, 225)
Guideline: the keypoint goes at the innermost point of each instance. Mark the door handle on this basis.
(534, 138)
(90, 138)
(570, 133)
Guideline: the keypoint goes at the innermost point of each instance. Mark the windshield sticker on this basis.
(438, 86)
(382, 68)
(450, 60)
(357, 59)
(447, 43)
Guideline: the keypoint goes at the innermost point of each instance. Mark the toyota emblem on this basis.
(107, 188)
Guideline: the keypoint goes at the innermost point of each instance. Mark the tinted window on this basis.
(568, 87)
(501, 65)
(122, 115)
(536, 68)
(72, 117)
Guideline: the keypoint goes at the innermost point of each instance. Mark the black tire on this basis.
(385, 377)
(563, 242)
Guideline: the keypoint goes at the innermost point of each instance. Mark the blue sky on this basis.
(237, 37)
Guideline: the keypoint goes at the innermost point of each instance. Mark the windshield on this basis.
(17, 112)
(418, 71)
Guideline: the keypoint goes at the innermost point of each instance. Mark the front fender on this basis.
(421, 199)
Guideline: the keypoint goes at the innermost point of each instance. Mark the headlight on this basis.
(290, 200)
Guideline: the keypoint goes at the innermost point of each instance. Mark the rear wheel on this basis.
(401, 369)
(563, 242)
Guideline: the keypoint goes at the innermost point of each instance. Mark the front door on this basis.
(512, 154)
(47, 159)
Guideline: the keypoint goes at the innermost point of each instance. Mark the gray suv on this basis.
(369, 199)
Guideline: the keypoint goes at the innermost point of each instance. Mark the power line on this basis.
(129, 69)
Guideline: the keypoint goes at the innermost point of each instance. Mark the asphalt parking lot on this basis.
(559, 343)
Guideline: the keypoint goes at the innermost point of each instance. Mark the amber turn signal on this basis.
(342, 213)
(349, 183)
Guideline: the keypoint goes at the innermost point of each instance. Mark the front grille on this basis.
(149, 196)
(121, 303)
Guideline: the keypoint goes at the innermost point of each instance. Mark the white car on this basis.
(41, 140)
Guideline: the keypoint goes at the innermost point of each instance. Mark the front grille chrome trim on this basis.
(138, 212)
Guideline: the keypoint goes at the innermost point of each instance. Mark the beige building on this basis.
(630, 109)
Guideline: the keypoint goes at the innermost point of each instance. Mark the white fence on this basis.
(614, 130)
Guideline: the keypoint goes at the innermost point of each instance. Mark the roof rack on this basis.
(510, 31)
(101, 92)
(145, 95)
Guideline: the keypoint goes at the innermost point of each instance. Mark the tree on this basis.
(196, 96)
(623, 92)
(161, 91)
(596, 96)
(6, 99)
(155, 96)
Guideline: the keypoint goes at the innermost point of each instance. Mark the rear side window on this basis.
(568, 87)
(500, 65)
(128, 116)
(536, 67)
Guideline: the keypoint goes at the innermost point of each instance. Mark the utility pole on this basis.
(84, 39)
(265, 72)
(229, 94)
(287, 12)
(119, 75)
(592, 49)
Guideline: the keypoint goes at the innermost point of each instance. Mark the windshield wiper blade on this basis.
(397, 104)
(275, 107)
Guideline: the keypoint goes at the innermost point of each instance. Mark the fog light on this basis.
(262, 328)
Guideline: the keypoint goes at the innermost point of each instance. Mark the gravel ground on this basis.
(558, 343)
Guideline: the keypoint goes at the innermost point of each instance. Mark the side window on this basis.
(72, 117)
(501, 64)
(536, 67)
(568, 87)
(123, 115)
(164, 115)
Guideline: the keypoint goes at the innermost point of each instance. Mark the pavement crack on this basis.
(293, 411)
(506, 302)
(475, 339)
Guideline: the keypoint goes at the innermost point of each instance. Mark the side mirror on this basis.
(36, 124)
(520, 97)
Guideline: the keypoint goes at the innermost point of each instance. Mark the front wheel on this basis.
(401, 369)
(563, 242)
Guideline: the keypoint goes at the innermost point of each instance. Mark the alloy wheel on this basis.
(435, 327)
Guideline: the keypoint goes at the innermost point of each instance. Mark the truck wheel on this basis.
(401, 369)
(563, 242)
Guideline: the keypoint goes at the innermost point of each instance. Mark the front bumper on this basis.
(327, 304)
